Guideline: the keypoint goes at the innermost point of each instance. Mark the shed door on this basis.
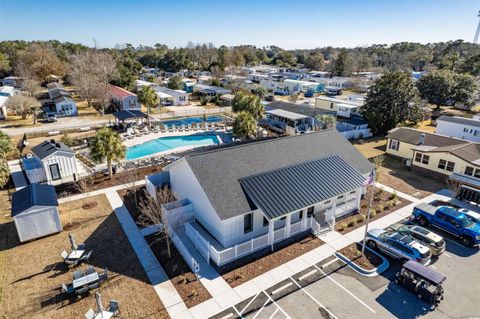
(39, 224)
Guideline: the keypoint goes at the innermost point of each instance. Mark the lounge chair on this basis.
(86, 257)
(95, 285)
(114, 307)
(67, 289)
(77, 274)
(90, 314)
(89, 270)
(104, 276)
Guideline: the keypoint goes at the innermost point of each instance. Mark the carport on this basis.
(466, 187)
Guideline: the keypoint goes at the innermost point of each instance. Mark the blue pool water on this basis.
(191, 120)
(163, 144)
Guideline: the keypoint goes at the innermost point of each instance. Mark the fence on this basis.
(227, 111)
(362, 133)
(191, 262)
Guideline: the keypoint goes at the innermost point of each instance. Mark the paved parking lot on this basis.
(330, 289)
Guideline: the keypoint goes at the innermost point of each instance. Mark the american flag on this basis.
(369, 179)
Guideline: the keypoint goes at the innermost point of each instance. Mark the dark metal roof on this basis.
(129, 114)
(47, 148)
(218, 171)
(291, 188)
(459, 120)
(302, 109)
(33, 195)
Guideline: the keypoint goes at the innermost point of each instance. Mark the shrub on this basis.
(361, 218)
(182, 279)
(380, 191)
(373, 213)
(342, 226)
(380, 208)
(203, 100)
(394, 196)
(364, 205)
(352, 223)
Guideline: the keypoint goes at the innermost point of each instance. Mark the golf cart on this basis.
(424, 281)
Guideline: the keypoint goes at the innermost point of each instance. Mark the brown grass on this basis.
(371, 147)
(33, 272)
(242, 274)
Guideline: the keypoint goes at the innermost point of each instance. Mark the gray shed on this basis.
(35, 212)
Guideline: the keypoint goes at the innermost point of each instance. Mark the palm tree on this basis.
(149, 98)
(6, 145)
(248, 102)
(107, 145)
(245, 125)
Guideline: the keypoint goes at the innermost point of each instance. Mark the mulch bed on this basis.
(383, 203)
(255, 268)
(128, 198)
(185, 282)
(101, 181)
(368, 260)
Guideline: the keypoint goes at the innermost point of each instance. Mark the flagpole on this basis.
(368, 213)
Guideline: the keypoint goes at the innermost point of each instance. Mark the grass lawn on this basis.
(371, 147)
(31, 273)
(426, 126)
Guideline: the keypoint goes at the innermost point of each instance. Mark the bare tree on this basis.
(152, 212)
(132, 176)
(29, 83)
(22, 105)
(84, 186)
(90, 72)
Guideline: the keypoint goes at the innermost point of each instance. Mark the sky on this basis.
(292, 24)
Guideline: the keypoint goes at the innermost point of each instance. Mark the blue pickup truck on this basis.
(450, 220)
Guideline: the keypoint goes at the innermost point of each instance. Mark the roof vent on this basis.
(422, 139)
(57, 145)
(52, 141)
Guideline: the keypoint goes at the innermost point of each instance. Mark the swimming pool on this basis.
(192, 120)
(167, 143)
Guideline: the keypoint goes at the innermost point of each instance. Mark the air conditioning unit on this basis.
(407, 162)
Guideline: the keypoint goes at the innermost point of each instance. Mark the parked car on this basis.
(450, 220)
(398, 246)
(50, 117)
(435, 242)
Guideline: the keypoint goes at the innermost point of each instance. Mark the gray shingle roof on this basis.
(459, 120)
(218, 171)
(412, 136)
(33, 195)
(289, 189)
(47, 148)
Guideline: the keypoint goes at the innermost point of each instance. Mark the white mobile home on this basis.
(461, 127)
(52, 162)
(240, 200)
(342, 107)
(35, 212)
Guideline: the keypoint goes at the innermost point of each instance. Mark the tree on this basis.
(22, 105)
(245, 125)
(314, 61)
(107, 145)
(153, 212)
(149, 98)
(437, 87)
(42, 60)
(392, 99)
(343, 64)
(175, 83)
(6, 145)
(326, 120)
(248, 102)
(465, 89)
(284, 58)
(260, 91)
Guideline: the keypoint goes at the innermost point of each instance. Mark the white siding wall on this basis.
(66, 164)
(457, 130)
(233, 229)
(67, 104)
(184, 184)
(37, 221)
(130, 103)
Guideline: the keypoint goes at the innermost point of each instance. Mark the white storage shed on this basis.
(35, 212)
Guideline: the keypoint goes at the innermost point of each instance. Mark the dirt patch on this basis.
(255, 268)
(32, 273)
(383, 204)
(101, 181)
(368, 260)
(185, 282)
(401, 178)
(89, 205)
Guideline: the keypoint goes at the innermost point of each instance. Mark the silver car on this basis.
(435, 242)
(398, 246)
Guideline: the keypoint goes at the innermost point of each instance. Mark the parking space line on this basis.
(248, 304)
(314, 299)
(273, 314)
(307, 274)
(433, 266)
(278, 307)
(446, 254)
(238, 313)
(329, 263)
(260, 310)
(347, 291)
(281, 288)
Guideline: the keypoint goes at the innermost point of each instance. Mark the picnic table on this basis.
(104, 315)
(76, 254)
(85, 280)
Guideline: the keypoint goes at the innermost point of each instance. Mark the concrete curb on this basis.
(365, 272)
